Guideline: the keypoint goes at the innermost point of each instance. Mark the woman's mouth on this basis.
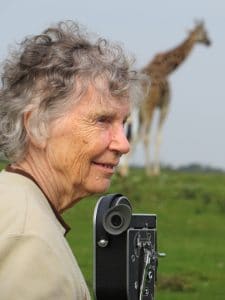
(106, 166)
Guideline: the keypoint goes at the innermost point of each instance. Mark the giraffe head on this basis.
(200, 35)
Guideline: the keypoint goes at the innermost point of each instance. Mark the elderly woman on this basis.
(64, 100)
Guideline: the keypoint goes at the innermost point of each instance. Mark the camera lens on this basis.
(116, 220)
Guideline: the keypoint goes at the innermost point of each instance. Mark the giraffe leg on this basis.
(147, 139)
(158, 140)
(125, 160)
(123, 168)
(156, 164)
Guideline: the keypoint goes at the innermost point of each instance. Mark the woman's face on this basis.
(85, 145)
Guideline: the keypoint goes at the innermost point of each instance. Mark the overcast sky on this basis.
(194, 131)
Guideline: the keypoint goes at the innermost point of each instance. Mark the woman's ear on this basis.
(39, 142)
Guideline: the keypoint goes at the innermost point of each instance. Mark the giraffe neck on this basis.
(165, 63)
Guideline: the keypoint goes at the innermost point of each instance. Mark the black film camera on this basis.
(125, 251)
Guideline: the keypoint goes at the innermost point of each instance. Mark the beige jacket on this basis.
(36, 262)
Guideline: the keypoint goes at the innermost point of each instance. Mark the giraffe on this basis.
(158, 94)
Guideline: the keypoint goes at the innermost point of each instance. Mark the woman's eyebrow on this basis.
(106, 113)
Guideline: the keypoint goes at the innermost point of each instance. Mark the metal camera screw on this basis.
(103, 243)
(146, 292)
(150, 275)
(133, 258)
(136, 285)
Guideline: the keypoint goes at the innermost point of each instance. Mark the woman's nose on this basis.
(119, 141)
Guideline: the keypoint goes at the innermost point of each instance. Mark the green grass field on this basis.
(190, 208)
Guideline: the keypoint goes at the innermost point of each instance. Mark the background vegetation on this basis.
(190, 208)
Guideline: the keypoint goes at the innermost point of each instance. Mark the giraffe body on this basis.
(158, 94)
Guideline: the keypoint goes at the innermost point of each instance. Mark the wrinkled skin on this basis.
(82, 151)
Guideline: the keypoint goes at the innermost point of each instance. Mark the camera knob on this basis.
(161, 254)
(103, 243)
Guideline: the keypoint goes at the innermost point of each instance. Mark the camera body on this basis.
(125, 251)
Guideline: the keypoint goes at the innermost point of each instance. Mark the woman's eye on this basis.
(103, 119)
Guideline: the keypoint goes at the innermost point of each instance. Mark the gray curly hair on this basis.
(40, 77)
